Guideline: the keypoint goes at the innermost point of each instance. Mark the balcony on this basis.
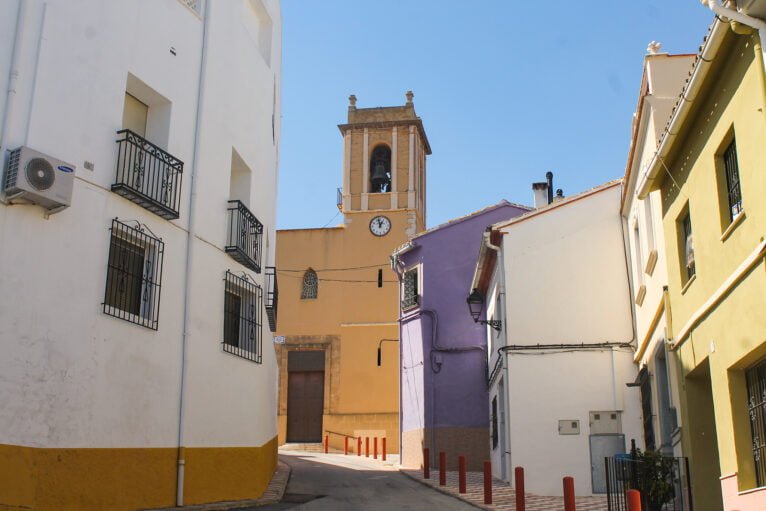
(272, 297)
(148, 175)
(244, 238)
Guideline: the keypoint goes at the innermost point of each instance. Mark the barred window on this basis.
(310, 285)
(756, 398)
(686, 246)
(731, 167)
(242, 318)
(134, 274)
(495, 436)
(410, 297)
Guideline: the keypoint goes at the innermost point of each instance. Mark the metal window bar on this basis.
(243, 318)
(148, 175)
(272, 297)
(732, 180)
(134, 275)
(689, 247)
(310, 288)
(244, 236)
(410, 296)
(664, 483)
(756, 399)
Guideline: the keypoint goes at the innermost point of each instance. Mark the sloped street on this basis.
(337, 482)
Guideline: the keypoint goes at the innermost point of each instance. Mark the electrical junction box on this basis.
(606, 423)
(569, 427)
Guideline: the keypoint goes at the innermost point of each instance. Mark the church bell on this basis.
(379, 176)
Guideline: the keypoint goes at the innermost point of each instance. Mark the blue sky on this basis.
(506, 91)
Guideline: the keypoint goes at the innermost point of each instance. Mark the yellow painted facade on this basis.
(353, 311)
(718, 322)
(129, 479)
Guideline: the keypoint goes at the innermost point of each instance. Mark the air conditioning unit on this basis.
(38, 178)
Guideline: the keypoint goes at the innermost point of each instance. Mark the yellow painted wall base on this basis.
(128, 479)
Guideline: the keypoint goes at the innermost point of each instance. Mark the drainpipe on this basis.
(189, 258)
(737, 19)
(13, 76)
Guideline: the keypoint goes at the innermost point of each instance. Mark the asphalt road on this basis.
(335, 482)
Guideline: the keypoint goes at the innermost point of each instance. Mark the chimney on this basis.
(540, 191)
(559, 195)
(549, 178)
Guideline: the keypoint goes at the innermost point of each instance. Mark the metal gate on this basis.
(663, 481)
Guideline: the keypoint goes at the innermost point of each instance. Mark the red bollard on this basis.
(634, 500)
(488, 482)
(359, 446)
(375, 449)
(366, 447)
(326, 444)
(461, 474)
(521, 502)
(345, 446)
(569, 494)
(426, 463)
(442, 469)
(384, 448)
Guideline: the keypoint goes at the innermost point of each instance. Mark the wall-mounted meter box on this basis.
(569, 427)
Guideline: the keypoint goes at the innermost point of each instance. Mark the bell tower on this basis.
(384, 164)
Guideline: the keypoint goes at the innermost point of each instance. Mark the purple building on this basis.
(443, 355)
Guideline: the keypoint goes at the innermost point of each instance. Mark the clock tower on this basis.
(384, 168)
(338, 298)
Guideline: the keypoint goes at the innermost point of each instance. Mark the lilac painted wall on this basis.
(444, 387)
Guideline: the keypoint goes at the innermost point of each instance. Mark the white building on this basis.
(663, 78)
(556, 280)
(136, 368)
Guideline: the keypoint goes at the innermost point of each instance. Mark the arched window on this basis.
(310, 284)
(380, 169)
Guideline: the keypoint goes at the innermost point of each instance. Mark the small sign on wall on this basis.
(569, 427)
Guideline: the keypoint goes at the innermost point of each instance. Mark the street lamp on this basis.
(475, 305)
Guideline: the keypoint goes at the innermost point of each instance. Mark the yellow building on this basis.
(711, 169)
(338, 300)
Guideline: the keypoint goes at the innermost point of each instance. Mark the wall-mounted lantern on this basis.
(475, 306)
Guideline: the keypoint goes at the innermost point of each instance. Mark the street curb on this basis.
(273, 494)
(443, 490)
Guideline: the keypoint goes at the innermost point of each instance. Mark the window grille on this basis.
(272, 297)
(688, 244)
(732, 180)
(244, 236)
(495, 436)
(242, 318)
(310, 285)
(134, 275)
(410, 297)
(756, 396)
(148, 175)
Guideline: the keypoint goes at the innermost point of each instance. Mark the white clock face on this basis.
(380, 226)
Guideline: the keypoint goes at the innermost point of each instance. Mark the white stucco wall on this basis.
(665, 75)
(565, 282)
(71, 376)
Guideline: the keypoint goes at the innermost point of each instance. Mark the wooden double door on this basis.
(305, 405)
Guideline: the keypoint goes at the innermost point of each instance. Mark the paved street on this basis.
(336, 482)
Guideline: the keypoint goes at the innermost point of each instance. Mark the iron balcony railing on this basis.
(272, 297)
(244, 237)
(663, 481)
(148, 175)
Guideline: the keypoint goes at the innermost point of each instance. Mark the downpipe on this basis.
(181, 462)
(737, 19)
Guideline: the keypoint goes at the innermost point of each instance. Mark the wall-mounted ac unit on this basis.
(38, 178)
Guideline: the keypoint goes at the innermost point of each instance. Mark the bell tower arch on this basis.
(384, 164)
